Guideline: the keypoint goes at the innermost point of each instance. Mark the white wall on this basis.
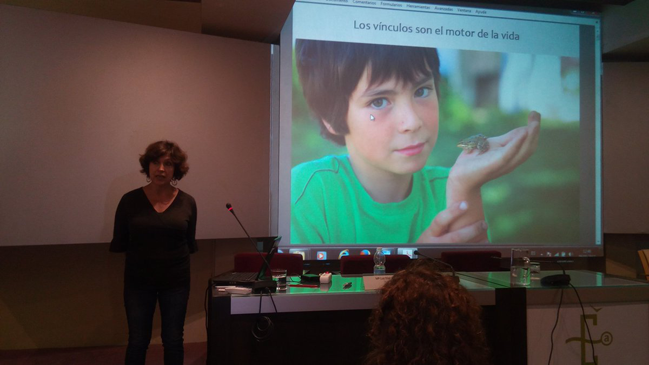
(625, 162)
(81, 98)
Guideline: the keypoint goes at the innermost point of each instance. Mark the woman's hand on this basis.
(440, 231)
(473, 169)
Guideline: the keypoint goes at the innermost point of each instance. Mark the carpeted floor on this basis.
(195, 354)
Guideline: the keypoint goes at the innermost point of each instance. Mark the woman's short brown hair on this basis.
(162, 148)
(424, 317)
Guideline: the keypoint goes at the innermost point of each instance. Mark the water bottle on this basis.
(379, 261)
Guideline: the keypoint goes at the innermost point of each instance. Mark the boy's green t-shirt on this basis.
(329, 205)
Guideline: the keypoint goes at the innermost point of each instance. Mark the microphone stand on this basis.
(555, 280)
(229, 206)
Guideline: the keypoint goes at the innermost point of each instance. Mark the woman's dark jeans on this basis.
(140, 306)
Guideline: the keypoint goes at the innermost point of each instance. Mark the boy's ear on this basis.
(330, 128)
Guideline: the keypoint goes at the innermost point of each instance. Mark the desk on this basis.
(325, 325)
(616, 310)
(333, 297)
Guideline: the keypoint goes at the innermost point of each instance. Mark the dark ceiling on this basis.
(262, 20)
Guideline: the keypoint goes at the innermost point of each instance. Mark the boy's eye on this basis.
(379, 103)
(423, 92)
(168, 164)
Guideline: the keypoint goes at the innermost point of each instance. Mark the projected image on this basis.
(395, 144)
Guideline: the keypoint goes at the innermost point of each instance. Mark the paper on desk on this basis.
(375, 282)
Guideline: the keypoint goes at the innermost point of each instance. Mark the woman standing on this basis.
(156, 226)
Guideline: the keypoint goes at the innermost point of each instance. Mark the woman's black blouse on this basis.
(157, 245)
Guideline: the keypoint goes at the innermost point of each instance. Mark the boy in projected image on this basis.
(381, 102)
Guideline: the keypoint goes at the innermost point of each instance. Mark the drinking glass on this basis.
(535, 270)
(279, 275)
(520, 267)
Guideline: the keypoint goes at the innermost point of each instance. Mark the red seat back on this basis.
(364, 264)
(472, 260)
(251, 262)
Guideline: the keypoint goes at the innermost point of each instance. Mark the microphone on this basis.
(456, 278)
(254, 245)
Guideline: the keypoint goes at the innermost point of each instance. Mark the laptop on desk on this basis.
(257, 281)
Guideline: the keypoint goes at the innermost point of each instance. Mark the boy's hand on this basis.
(440, 231)
(473, 169)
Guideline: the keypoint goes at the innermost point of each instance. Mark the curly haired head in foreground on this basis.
(424, 317)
